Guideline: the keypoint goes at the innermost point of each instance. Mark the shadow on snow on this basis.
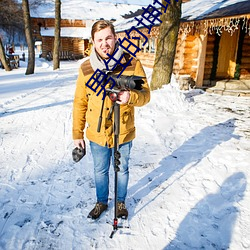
(209, 225)
(190, 153)
(23, 110)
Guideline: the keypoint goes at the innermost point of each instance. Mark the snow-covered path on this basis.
(189, 171)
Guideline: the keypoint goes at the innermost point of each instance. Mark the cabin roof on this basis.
(194, 10)
(209, 9)
(83, 10)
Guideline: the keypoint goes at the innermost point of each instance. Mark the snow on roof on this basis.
(197, 10)
(83, 10)
(92, 10)
(126, 24)
(79, 32)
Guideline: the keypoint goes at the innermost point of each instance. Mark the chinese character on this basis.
(135, 48)
(150, 15)
(99, 78)
(138, 38)
(118, 62)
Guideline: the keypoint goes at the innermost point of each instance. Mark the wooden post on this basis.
(149, 45)
(201, 60)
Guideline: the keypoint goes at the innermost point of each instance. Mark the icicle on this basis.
(232, 25)
(217, 25)
(244, 19)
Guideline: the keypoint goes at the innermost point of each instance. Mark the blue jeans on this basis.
(102, 158)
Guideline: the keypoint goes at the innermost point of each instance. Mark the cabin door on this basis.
(227, 55)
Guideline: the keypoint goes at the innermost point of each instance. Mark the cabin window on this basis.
(149, 47)
(152, 45)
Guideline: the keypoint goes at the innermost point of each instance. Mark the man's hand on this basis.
(79, 143)
(123, 97)
(79, 151)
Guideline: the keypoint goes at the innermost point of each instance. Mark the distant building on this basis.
(77, 19)
(74, 37)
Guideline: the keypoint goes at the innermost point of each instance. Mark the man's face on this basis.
(104, 42)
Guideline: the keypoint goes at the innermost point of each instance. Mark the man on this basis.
(87, 107)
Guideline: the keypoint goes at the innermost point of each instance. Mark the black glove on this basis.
(78, 153)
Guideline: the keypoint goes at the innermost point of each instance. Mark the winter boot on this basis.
(97, 210)
(122, 211)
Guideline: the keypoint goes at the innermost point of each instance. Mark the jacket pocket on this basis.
(126, 120)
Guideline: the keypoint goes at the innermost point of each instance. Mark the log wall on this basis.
(73, 45)
(186, 56)
(50, 22)
(147, 53)
(178, 62)
(147, 59)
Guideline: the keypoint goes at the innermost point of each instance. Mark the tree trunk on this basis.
(29, 38)
(166, 46)
(3, 57)
(56, 59)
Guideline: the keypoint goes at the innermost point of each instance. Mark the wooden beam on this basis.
(201, 60)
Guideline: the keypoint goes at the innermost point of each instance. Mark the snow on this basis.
(189, 169)
(113, 9)
(81, 32)
(85, 10)
(196, 9)
(89, 10)
(192, 10)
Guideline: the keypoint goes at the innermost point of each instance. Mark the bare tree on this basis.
(3, 57)
(166, 46)
(28, 33)
(11, 24)
(56, 59)
(11, 16)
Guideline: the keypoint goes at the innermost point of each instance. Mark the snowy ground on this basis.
(189, 170)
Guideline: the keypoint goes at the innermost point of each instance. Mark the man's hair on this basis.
(100, 25)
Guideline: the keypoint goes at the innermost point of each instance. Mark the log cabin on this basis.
(77, 19)
(213, 42)
(74, 37)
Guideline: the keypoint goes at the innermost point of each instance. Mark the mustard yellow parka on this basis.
(87, 107)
